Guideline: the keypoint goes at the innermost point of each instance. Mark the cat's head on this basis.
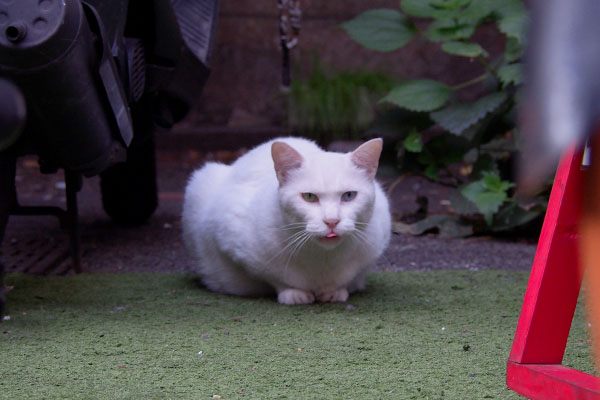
(329, 195)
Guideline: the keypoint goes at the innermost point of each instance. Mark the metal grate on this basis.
(39, 255)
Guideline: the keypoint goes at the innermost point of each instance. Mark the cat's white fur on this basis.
(253, 233)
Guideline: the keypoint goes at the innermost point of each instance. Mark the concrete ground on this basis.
(157, 246)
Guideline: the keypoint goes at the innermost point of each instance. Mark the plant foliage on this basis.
(340, 103)
(381, 29)
(421, 95)
(479, 136)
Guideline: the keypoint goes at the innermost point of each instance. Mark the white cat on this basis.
(288, 217)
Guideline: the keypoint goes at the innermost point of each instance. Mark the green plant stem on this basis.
(470, 82)
(487, 65)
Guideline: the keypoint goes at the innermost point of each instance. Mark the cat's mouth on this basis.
(331, 237)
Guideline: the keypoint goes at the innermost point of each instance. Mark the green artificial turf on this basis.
(444, 334)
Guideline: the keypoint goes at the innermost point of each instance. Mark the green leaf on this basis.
(492, 182)
(380, 29)
(514, 26)
(450, 9)
(450, 29)
(413, 142)
(436, 9)
(508, 7)
(461, 205)
(457, 118)
(488, 194)
(489, 203)
(418, 8)
(432, 172)
(419, 95)
(464, 49)
(479, 9)
(511, 74)
(449, 4)
(472, 190)
(513, 51)
(512, 215)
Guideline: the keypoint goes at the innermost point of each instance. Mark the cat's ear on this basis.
(285, 159)
(367, 156)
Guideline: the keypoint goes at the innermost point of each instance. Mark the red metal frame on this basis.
(534, 366)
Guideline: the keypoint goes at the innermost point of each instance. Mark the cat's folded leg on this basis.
(222, 275)
(291, 296)
(333, 296)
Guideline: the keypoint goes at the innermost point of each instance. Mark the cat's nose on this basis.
(331, 223)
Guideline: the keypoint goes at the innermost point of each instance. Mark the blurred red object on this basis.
(534, 366)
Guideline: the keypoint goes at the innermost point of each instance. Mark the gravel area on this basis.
(431, 252)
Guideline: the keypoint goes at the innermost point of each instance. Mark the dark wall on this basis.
(244, 88)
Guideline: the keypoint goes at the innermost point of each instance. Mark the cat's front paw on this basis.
(333, 296)
(295, 296)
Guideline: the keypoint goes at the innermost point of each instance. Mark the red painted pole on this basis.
(534, 367)
(553, 288)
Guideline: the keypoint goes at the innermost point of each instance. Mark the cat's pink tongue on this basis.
(331, 235)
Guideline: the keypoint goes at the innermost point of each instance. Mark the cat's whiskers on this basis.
(299, 244)
(294, 235)
(290, 241)
(361, 238)
(292, 225)
(289, 227)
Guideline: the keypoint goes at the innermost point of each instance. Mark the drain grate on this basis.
(39, 255)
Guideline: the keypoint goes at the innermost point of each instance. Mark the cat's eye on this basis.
(310, 197)
(349, 196)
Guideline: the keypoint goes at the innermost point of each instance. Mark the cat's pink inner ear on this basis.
(367, 156)
(285, 159)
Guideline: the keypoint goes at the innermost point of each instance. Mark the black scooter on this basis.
(84, 85)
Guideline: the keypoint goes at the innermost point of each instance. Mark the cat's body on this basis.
(290, 218)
